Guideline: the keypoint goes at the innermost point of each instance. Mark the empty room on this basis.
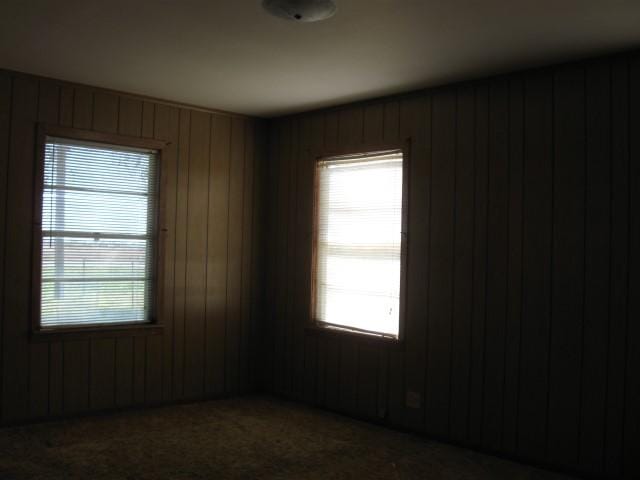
(320, 239)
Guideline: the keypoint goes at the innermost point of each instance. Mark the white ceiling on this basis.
(230, 55)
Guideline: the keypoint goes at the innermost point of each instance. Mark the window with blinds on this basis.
(99, 205)
(358, 242)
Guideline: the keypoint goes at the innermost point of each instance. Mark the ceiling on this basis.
(231, 55)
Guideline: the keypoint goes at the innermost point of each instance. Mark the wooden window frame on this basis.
(155, 325)
(318, 326)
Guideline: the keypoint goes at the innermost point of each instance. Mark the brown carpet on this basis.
(244, 438)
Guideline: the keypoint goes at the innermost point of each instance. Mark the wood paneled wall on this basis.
(212, 287)
(523, 315)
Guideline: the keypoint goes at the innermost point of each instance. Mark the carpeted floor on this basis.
(243, 438)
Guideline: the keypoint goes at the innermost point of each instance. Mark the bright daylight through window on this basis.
(98, 223)
(358, 242)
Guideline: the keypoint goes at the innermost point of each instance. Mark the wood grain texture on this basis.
(497, 250)
(597, 265)
(234, 252)
(17, 262)
(514, 261)
(463, 267)
(440, 257)
(196, 276)
(619, 270)
(567, 300)
(415, 123)
(521, 334)
(632, 400)
(64, 376)
(480, 267)
(522, 298)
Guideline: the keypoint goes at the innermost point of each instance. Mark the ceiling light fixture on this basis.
(300, 10)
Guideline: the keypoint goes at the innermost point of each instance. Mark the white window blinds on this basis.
(358, 244)
(99, 208)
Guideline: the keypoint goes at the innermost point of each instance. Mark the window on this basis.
(97, 242)
(358, 242)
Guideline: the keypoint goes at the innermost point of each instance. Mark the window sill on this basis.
(316, 329)
(83, 333)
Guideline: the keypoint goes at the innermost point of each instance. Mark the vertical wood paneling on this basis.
(317, 378)
(139, 369)
(39, 380)
(373, 124)
(217, 254)
(17, 252)
(48, 105)
(536, 308)
(525, 222)
(514, 261)
(102, 374)
(568, 266)
(348, 389)
(530, 345)
(48, 102)
(632, 400)
(481, 173)
(294, 343)
(441, 264)
(66, 106)
(463, 268)
(180, 265)
(620, 250)
(367, 394)
(76, 376)
(5, 122)
(305, 376)
(148, 119)
(259, 212)
(69, 376)
(391, 123)
(331, 130)
(396, 393)
(153, 370)
(415, 123)
(497, 256)
(247, 258)
(105, 117)
(597, 266)
(124, 372)
(82, 108)
(130, 122)
(332, 374)
(277, 238)
(196, 276)
(350, 126)
(56, 378)
(167, 127)
(234, 249)
(282, 138)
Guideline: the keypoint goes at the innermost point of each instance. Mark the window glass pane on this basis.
(98, 215)
(358, 242)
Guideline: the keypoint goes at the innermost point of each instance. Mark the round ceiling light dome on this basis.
(301, 10)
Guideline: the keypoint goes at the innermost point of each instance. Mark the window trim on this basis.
(153, 327)
(317, 326)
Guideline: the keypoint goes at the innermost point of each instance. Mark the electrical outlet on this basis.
(413, 400)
